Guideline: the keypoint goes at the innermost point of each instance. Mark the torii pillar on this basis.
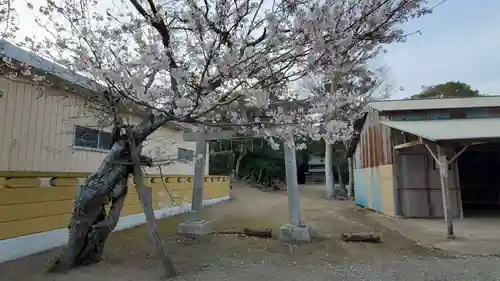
(195, 225)
(295, 230)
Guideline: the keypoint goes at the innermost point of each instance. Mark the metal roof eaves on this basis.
(36, 61)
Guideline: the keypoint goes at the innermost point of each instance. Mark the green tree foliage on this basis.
(263, 165)
(221, 163)
(447, 90)
(260, 163)
(222, 157)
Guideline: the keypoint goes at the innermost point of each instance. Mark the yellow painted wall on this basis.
(34, 202)
(374, 188)
(387, 190)
(37, 133)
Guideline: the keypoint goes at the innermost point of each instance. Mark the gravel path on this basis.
(230, 257)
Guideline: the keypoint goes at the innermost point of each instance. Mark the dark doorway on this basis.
(301, 173)
(479, 174)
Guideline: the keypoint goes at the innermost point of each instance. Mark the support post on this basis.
(195, 225)
(145, 197)
(330, 181)
(295, 230)
(443, 175)
(351, 178)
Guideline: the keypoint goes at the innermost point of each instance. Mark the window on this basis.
(185, 154)
(92, 138)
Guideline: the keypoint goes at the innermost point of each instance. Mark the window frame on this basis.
(179, 149)
(99, 136)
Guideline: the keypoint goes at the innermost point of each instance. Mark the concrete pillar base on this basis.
(290, 233)
(195, 228)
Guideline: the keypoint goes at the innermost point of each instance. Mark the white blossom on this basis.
(206, 61)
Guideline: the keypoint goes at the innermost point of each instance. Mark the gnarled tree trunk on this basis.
(89, 225)
(103, 225)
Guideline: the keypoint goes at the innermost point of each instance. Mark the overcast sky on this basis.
(460, 41)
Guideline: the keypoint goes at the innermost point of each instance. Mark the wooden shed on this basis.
(409, 151)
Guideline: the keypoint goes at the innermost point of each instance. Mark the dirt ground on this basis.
(231, 257)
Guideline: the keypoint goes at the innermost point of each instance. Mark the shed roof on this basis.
(450, 129)
(426, 104)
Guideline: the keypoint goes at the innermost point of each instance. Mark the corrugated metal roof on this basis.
(17, 53)
(450, 129)
(394, 105)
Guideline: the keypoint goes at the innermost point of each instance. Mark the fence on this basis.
(36, 203)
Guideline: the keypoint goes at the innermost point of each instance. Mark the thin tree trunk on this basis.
(350, 184)
(145, 197)
(248, 175)
(339, 173)
(260, 175)
(342, 190)
(95, 192)
(330, 181)
(238, 162)
(351, 178)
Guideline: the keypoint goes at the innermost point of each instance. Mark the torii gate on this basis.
(294, 230)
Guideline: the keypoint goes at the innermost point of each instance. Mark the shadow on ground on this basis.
(128, 255)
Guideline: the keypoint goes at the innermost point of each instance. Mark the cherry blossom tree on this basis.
(337, 103)
(183, 60)
(8, 19)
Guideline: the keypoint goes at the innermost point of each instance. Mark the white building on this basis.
(316, 169)
(50, 129)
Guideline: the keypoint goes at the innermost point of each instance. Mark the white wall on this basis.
(37, 133)
(316, 160)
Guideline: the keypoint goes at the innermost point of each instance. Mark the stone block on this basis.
(292, 233)
(196, 228)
